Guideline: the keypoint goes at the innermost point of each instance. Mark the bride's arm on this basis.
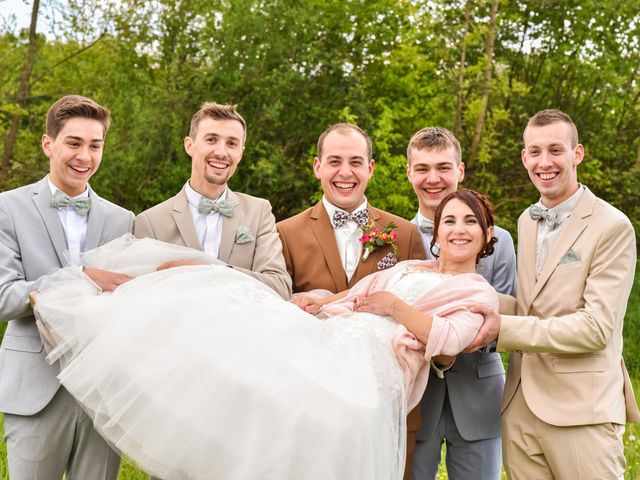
(385, 303)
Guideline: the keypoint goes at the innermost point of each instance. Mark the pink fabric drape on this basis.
(453, 326)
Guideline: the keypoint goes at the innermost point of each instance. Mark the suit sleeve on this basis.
(604, 300)
(285, 250)
(14, 286)
(142, 227)
(268, 263)
(504, 267)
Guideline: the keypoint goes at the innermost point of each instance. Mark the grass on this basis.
(128, 471)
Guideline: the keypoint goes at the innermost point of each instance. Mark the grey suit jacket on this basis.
(260, 257)
(475, 383)
(32, 250)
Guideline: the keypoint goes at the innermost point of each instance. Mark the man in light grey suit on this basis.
(461, 404)
(43, 227)
(238, 229)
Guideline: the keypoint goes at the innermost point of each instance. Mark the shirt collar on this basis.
(54, 189)
(193, 197)
(565, 208)
(331, 208)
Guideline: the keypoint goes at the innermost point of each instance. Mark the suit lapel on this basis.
(229, 228)
(95, 222)
(323, 231)
(527, 250)
(574, 227)
(41, 199)
(182, 216)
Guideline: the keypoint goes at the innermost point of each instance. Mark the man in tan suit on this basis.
(324, 254)
(236, 228)
(567, 394)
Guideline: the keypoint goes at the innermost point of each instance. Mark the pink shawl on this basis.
(453, 327)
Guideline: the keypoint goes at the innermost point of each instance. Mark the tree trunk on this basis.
(23, 91)
(457, 125)
(491, 37)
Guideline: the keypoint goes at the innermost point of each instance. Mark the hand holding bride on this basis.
(106, 280)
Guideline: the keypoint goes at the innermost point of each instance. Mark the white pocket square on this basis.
(244, 235)
(570, 257)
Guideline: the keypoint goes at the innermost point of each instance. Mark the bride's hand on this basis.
(380, 303)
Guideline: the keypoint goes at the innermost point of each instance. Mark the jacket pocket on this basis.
(594, 362)
(22, 343)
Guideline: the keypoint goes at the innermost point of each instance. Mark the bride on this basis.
(200, 371)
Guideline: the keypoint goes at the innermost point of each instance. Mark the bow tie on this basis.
(426, 226)
(538, 213)
(223, 207)
(60, 200)
(340, 218)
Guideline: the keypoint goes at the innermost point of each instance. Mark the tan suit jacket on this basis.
(311, 252)
(170, 221)
(567, 337)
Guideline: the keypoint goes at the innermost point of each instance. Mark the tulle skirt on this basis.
(202, 372)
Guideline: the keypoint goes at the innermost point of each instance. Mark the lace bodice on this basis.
(412, 283)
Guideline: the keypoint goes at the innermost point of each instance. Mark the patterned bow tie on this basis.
(340, 218)
(426, 226)
(223, 207)
(60, 200)
(538, 213)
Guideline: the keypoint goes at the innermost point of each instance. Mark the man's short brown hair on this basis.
(550, 116)
(434, 138)
(343, 127)
(216, 111)
(75, 106)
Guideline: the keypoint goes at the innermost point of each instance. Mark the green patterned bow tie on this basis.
(223, 207)
(60, 200)
(426, 226)
(538, 213)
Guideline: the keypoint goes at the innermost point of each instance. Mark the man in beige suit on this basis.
(237, 229)
(322, 246)
(567, 394)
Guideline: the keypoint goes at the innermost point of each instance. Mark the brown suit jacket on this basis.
(567, 336)
(170, 221)
(312, 256)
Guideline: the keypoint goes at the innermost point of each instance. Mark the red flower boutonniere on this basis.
(373, 238)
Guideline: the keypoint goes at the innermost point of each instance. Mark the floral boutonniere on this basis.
(373, 238)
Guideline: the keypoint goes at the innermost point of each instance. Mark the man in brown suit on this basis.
(236, 228)
(321, 245)
(567, 394)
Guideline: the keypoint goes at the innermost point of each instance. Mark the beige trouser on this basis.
(535, 450)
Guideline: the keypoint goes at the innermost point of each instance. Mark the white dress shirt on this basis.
(347, 238)
(208, 226)
(74, 226)
(547, 238)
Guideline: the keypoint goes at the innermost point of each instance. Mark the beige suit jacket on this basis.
(567, 335)
(311, 252)
(170, 221)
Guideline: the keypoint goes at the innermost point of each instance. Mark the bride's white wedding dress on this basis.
(201, 372)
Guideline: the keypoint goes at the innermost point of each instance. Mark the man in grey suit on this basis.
(461, 404)
(43, 227)
(236, 228)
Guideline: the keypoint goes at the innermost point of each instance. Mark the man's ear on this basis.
(461, 172)
(316, 167)
(46, 142)
(579, 154)
(188, 145)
